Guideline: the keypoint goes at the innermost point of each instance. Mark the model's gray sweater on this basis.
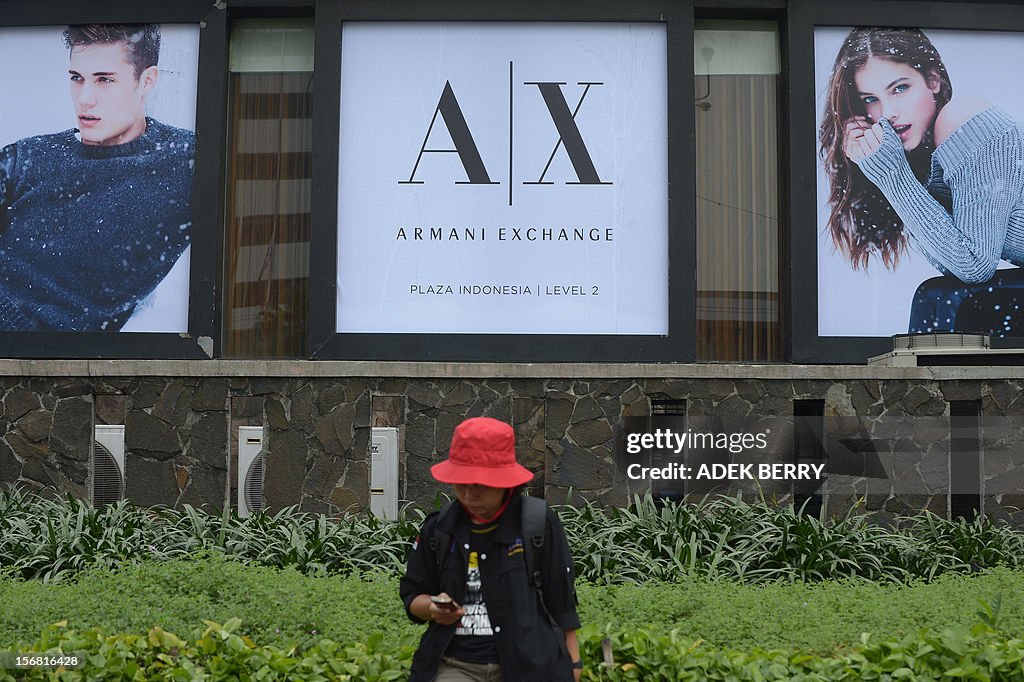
(982, 163)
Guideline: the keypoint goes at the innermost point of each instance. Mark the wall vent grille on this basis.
(108, 465)
(251, 470)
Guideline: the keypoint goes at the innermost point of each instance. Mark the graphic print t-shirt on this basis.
(474, 637)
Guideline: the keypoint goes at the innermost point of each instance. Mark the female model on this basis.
(890, 124)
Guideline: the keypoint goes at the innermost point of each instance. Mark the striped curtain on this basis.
(738, 232)
(268, 214)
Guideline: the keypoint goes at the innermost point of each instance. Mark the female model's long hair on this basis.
(862, 221)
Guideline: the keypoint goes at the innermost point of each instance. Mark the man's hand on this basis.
(425, 609)
(861, 138)
(445, 614)
(572, 645)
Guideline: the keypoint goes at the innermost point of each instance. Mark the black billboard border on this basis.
(211, 88)
(804, 16)
(678, 346)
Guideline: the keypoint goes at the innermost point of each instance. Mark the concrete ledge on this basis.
(306, 369)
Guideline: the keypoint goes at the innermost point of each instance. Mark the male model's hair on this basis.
(141, 41)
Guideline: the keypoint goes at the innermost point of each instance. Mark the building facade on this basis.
(587, 220)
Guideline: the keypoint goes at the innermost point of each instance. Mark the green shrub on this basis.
(51, 539)
(722, 538)
(758, 543)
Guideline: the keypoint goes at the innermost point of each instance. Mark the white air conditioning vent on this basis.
(107, 464)
(251, 459)
(384, 472)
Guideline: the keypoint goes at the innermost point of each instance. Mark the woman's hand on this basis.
(861, 138)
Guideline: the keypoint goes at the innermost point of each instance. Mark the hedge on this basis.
(284, 607)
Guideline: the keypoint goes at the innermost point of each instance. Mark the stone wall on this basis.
(181, 445)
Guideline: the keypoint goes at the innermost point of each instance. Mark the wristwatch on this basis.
(577, 665)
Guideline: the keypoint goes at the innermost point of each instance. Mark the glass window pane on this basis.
(736, 64)
(268, 196)
(271, 45)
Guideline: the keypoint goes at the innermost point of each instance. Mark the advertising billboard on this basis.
(503, 178)
(97, 150)
(919, 181)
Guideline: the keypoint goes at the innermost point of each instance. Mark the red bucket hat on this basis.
(483, 451)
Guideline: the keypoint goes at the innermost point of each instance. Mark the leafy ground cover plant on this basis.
(979, 652)
(219, 654)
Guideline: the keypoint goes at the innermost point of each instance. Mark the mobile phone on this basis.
(444, 602)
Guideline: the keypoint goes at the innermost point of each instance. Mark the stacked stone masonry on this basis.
(180, 433)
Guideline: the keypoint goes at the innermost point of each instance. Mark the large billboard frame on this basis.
(804, 16)
(198, 341)
(676, 346)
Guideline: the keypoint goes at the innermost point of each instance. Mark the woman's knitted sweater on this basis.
(982, 163)
(87, 231)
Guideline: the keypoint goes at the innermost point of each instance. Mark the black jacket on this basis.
(530, 648)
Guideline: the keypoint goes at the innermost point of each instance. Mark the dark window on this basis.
(669, 415)
(964, 459)
(808, 446)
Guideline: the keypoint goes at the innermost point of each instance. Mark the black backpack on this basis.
(532, 526)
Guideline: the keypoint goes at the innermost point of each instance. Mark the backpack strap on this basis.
(533, 526)
(440, 539)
